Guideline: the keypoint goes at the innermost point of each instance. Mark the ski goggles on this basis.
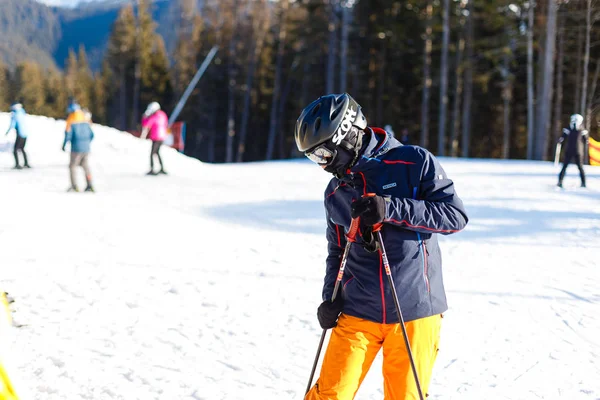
(321, 155)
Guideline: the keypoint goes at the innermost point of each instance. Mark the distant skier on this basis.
(414, 200)
(19, 122)
(155, 122)
(79, 132)
(577, 141)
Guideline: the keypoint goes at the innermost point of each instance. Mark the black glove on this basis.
(371, 210)
(369, 242)
(63, 148)
(328, 312)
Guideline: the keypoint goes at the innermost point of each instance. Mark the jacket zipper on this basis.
(422, 250)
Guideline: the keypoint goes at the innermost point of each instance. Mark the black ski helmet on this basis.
(330, 117)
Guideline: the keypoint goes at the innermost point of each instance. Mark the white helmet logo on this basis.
(345, 126)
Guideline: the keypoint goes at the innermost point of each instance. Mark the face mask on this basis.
(340, 164)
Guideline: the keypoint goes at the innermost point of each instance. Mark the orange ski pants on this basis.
(355, 342)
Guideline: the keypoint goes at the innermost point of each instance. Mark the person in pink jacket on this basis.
(155, 123)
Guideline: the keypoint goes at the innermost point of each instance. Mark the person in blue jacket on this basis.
(79, 132)
(19, 123)
(414, 200)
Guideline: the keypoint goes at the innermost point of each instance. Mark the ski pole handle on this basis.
(354, 225)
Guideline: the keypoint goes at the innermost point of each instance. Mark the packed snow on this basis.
(204, 284)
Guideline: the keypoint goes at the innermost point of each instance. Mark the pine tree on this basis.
(4, 87)
(102, 91)
(187, 47)
(157, 81)
(56, 94)
(146, 40)
(120, 57)
(29, 83)
(79, 77)
(85, 79)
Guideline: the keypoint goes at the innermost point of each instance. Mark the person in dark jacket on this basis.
(79, 132)
(577, 141)
(414, 200)
(20, 124)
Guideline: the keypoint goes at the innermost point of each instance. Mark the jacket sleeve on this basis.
(564, 135)
(435, 207)
(146, 122)
(336, 242)
(13, 123)
(68, 131)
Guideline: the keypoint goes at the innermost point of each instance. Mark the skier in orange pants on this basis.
(355, 342)
(405, 191)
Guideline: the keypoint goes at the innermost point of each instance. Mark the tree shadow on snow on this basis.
(487, 222)
(298, 216)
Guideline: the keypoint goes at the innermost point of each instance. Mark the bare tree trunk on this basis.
(592, 93)
(257, 45)
(346, 9)
(468, 98)
(306, 75)
(122, 98)
(444, 79)
(137, 75)
(212, 136)
(424, 142)
(381, 86)
(231, 84)
(559, 80)
(586, 58)
(530, 83)
(281, 108)
(136, 96)
(577, 99)
(210, 155)
(331, 47)
(455, 126)
(507, 92)
(277, 83)
(547, 72)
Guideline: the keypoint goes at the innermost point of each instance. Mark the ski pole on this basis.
(388, 272)
(350, 238)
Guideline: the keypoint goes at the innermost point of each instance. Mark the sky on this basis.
(204, 284)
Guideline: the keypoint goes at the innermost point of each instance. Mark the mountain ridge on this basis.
(33, 30)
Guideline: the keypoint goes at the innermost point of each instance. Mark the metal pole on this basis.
(388, 272)
(192, 85)
(350, 238)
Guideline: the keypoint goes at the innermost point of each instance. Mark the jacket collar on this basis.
(380, 142)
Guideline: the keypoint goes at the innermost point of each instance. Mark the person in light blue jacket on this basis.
(20, 124)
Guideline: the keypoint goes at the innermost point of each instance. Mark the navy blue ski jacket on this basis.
(577, 141)
(420, 203)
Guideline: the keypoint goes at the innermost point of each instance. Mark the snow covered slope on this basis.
(204, 284)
